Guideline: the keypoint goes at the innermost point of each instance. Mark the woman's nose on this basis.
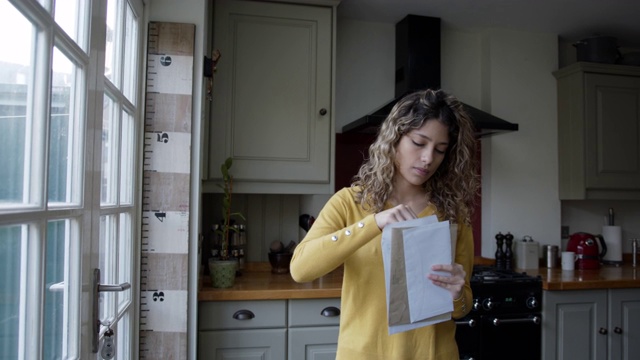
(427, 156)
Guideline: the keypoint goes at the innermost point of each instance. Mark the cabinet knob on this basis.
(617, 330)
(243, 315)
(330, 311)
(603, 331)
(323, 111)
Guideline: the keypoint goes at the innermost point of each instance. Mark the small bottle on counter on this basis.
(241, 260)
(634, 252)
(242, 234)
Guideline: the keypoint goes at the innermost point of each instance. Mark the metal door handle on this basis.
(113, 288)
(535, 320)
(97, 289)
(330, 311)
(243, 315)
(470, 322)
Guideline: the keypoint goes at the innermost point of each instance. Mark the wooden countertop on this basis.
(258, 283)
(607, 277)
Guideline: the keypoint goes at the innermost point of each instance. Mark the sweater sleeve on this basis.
(340, 230)
(464, 256)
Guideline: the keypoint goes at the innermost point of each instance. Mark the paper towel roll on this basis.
(613, 239)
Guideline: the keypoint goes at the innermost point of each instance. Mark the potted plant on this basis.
(223, 268)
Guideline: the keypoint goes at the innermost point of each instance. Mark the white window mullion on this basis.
(34, 289)
(22, 311)
(39, 111)
(72, 307)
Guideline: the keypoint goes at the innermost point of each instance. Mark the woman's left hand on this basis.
(454, 283)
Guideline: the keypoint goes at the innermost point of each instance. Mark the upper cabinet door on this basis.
(272, 95)
(613, 131)
(599, 132)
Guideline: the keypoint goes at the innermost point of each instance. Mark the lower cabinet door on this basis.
(263, 344)
(571, 323)
(313, 343)
(624, 324)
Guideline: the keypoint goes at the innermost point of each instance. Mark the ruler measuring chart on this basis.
(164, 247)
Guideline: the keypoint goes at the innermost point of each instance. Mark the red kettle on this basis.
(585, 245)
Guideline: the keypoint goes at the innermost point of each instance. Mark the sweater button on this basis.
(334, 238)
(348, 232)
(360, 224)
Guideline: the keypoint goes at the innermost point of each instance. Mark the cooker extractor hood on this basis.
(418, 67)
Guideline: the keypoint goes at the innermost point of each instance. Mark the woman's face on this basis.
(420, 152)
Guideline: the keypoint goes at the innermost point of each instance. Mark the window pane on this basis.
(16, 92)
(109, 152)
(61, 138)
(130, 57)
(112, 48)
(54, 290)
(70, 15)
(127, 157)
(123, 337)
(10, 266)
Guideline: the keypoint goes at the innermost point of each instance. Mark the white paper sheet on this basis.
(400, 280)
(425, 246)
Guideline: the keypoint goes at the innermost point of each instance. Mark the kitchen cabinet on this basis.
(313, 329)
(591, 324)
(297, 329)
(272, 99)
(248, 330)
(599, 131)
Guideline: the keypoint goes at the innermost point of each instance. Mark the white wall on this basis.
(588, 216)
(505, 72)
(522, 194)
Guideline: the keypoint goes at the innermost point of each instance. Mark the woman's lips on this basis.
(421, 171)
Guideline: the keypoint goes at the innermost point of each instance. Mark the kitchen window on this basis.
(70, 130)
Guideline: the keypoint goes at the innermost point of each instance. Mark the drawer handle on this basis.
(243, 315)
(330, 311)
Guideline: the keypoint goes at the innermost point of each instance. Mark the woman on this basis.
(422, 163)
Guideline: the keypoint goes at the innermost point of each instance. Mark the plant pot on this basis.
(222, 272)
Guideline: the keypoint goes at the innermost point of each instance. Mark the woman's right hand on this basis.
(394, 215)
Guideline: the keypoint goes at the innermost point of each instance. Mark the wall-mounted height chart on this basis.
(165, 199)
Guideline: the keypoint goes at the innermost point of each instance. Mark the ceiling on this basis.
(572, 20)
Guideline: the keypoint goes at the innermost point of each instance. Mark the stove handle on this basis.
(470, 322)
(534, 319)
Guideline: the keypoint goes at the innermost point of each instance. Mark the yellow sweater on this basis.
(346, 234)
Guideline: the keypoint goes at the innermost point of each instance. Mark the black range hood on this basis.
(418, 67)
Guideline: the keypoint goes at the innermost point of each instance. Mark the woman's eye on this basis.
(417, 143)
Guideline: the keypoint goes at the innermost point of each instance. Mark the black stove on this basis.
(505, 320)
(491, 274)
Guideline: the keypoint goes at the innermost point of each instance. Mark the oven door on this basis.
(513, 336)
(468, 337)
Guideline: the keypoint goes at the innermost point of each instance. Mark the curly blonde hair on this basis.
(454, 185)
